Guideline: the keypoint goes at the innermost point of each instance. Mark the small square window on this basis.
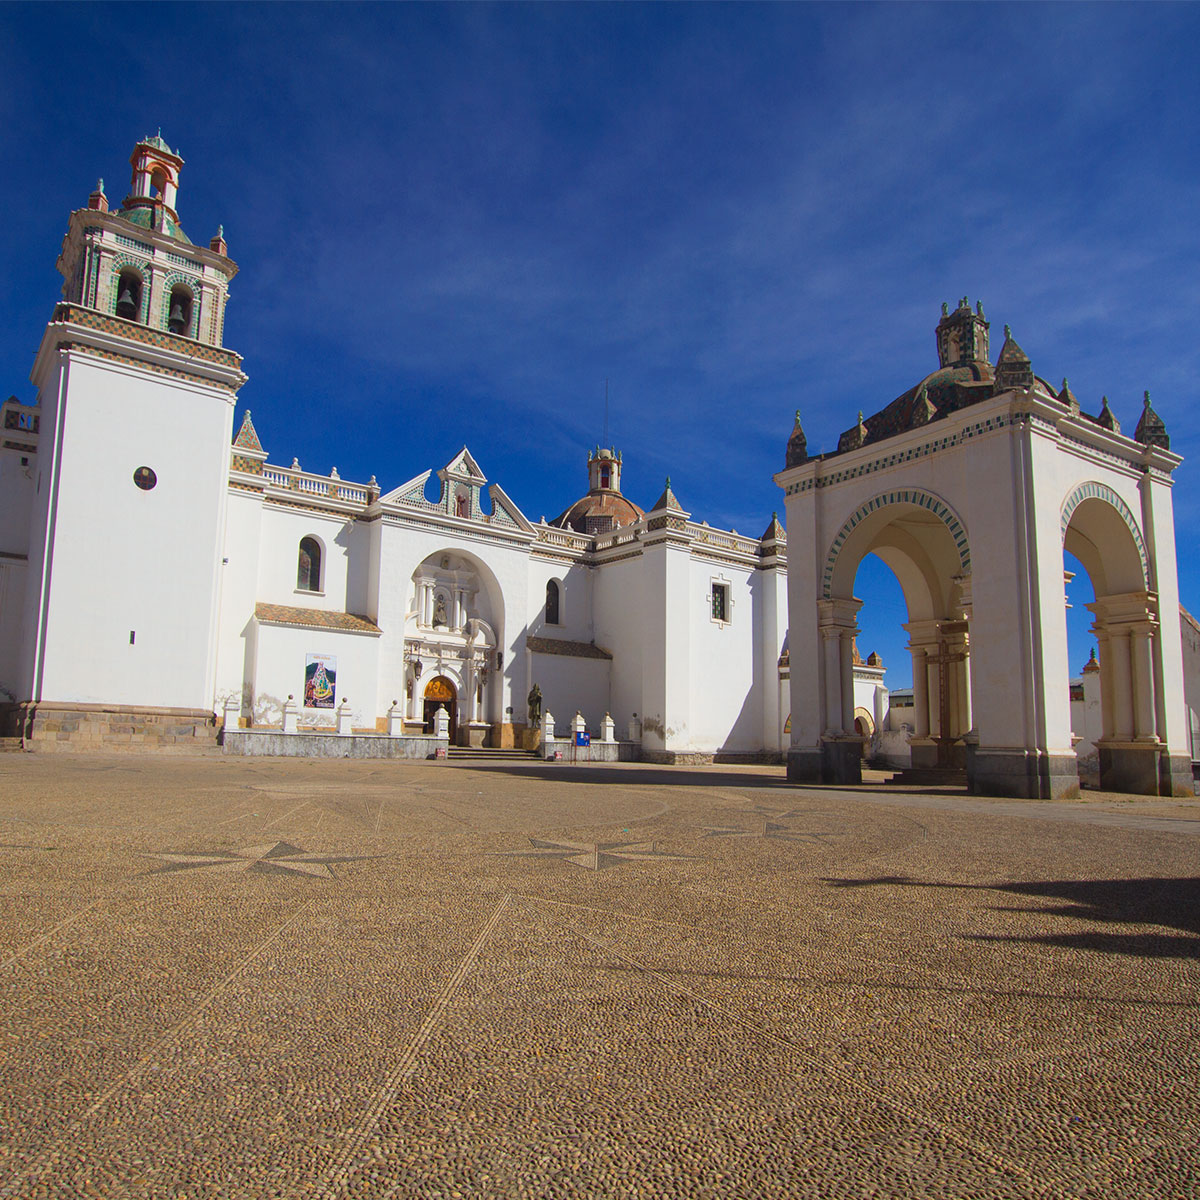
(720, 602)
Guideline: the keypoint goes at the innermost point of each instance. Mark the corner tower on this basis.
(136, 394)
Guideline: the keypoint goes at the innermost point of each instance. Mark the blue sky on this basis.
(454, 223)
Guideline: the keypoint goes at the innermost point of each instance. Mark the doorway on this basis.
(440, 693)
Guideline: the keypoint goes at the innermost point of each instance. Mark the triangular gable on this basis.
(463, 466)
(412, 492)
(505, 511)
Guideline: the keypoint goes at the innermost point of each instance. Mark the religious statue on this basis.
(535, 706)
(439, 610)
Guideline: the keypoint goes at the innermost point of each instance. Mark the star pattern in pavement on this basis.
(272, 858)
(594, 856)
(770, 824)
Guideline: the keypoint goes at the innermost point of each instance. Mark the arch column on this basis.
(841, 755)
(1130, 747)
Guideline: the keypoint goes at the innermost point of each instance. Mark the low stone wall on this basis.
(274, 743)
(597, 752)
(66, 728)
(705, 758)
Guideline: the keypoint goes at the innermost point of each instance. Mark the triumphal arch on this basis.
(970, 486)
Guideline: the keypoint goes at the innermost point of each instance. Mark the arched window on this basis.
(605, 476)
(308, 569)
(129, 295)
(552, 595)
(179, 311)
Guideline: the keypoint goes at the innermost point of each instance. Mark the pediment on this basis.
(463, 467)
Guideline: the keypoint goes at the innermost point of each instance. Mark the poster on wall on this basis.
(320, 681)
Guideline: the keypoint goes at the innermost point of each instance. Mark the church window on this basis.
(308, 569)
(605, 477)
(552, 598)
(145, 478)
(179, 311)
(129, 295)
(720, 602)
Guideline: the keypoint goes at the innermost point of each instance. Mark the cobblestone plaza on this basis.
(314, 978)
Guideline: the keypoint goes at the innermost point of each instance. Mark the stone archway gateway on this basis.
(969, 486)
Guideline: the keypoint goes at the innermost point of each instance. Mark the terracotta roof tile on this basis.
(314, 618)
(542, 645)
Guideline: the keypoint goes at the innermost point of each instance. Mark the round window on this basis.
(145, 478)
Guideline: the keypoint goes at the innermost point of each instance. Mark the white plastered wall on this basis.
(282, 655)
(125, 560)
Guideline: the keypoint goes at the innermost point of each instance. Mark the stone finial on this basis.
(797, 447)
(1151, 430)
(924, 409)
(1013, 368)
(1107, 419)
(945, 309)
(1067, 397)
(98, 201)
(979, 308)
(1091, 665)
(247, 438)
(218, 245)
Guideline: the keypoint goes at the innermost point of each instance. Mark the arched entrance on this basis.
(440, 693)
(923, 542)
(1101, 532)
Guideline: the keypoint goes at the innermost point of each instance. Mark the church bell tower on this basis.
(136, 393)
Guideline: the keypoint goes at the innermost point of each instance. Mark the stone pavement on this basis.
(314, 978)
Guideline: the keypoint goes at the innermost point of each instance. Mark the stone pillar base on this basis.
(1145, 770)
(835, 761)
(1025, 774)
(804, 766)
(924, 752)
(841, 760)
(1175, 775)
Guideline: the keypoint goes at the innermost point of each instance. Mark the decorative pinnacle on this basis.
(945, 309)
(668, 481)
(979, 307)
(797, 416)
(220, 231)
(100, 185)
(860, 416)
(1147, 395)
(1007, 333)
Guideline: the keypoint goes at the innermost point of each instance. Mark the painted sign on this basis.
(320, 681)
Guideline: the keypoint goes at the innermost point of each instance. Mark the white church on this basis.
(266, 596)
(290, 609)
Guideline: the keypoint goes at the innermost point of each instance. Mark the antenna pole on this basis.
(606, 412)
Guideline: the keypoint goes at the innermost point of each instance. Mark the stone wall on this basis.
(274, 743)
(58, 728)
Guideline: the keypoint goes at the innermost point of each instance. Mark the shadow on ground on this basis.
(1172, 903)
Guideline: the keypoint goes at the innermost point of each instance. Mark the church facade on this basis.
(251, 582)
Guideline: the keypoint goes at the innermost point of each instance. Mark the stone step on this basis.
(10, 745)
(930, 777)
(487, 754)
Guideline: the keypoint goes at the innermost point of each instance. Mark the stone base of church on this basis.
(1144, 770)
(51, 728)
(1024, 774)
